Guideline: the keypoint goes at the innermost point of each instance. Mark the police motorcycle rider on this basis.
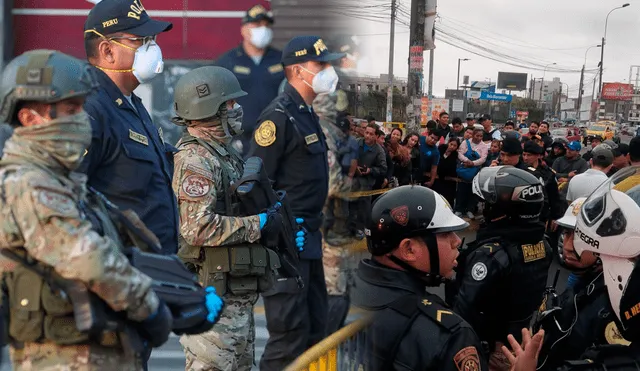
(220, 244)
(605, 227)
(411, 237)
(62, 241)
(504, 272)
(581, 316)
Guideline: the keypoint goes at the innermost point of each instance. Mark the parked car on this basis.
(568, 133)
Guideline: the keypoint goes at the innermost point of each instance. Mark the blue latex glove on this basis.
(301, 234)
(213, 303)
(264, 217)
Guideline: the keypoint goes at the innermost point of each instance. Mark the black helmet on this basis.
(411, 211)
(511, 192)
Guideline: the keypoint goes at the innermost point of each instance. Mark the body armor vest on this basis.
(240, 269)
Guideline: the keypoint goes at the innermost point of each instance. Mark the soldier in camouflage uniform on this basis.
(338, 240)
(50, 219)
(205, 167)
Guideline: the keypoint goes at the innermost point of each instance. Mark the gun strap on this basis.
(110, 207)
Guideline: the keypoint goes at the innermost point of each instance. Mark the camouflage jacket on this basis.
(198, 182)
(325, 107)
(41, 213)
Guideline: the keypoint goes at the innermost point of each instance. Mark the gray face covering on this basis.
(234, 120)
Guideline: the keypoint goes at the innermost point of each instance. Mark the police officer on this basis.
(504, 272)
(257, 66)
(128, 160)
(602, 228)
(290, 142)
(582, 315)
(53, 222)
(206, 166)
(532, 159)
(411, 237)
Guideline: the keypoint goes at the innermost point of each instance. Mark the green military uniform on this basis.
(212, 237)
(50, 219)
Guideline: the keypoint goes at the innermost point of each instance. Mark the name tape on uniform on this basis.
(137, 137)
(309, 139)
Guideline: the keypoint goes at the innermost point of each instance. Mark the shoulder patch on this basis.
(479, 271)
(57, 203)
(467, 359)
(265, 134)
(196, 186)
(613, 335)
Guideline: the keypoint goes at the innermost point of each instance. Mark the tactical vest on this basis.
(38, 309)
(241, 269)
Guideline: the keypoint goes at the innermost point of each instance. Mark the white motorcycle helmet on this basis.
(609, 225)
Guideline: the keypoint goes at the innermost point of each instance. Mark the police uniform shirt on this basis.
(129, 162)
(261, 81)
(291, 143)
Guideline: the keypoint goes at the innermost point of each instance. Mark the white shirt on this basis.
(583, 185)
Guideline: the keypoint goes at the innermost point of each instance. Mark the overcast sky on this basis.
(540, 31)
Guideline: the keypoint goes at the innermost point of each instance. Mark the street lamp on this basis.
(606, 23)
(458, 80)
(542, 82)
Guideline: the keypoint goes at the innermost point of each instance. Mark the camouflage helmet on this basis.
(200, 93)
(46, 76)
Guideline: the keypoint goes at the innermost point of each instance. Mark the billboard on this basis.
(617, 91)
(512, 81)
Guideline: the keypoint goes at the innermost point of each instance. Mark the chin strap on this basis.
(433, 278)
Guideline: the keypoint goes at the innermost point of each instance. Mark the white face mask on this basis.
(147, 62)
(234, 119)
(261, 37)
(324, 81)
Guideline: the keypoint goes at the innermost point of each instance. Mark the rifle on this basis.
(173, 282)
(92, 315)
(256, 195)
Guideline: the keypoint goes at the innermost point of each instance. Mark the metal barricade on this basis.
(340, 351)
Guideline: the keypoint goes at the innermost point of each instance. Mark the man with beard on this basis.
(568, 166)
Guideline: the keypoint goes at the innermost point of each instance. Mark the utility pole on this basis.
(430, 91)
(580, 94)
(416, 39)
(391, 52)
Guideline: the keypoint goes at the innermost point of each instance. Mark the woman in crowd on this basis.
(494, 152)
(411, 143)
(401, 157)
(446, 182)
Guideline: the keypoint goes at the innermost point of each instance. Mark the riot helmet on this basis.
(201, 92)
(408, 212)
(509, 193)
(45, 76)
(606, 226)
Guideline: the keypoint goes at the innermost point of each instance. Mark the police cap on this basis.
(533, 147)
(302, 49)
(512, 146)
(257, 13)
(111, 16)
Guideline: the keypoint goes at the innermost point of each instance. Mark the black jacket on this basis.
(502, 279)
(585, 319)
(412, 329)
